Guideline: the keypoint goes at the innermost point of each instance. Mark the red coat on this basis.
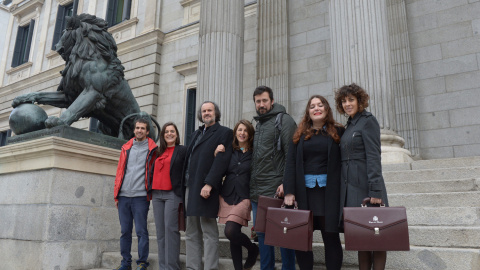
(152, 155)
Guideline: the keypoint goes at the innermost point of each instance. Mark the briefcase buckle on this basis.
(377, 231)
(284, 229)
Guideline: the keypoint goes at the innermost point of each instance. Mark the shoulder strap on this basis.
(278, 126)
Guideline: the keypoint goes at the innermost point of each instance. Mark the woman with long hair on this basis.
(235, 206)
(361, 161)
(312, 177)
(167, 194)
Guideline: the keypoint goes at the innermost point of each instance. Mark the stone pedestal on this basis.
(56, 204)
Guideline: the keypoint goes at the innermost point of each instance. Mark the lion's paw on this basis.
(27, 98)
(53, 121)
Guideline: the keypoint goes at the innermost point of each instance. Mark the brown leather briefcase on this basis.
(375, 228)
(181, 217)
(289, 228)
(263, 203)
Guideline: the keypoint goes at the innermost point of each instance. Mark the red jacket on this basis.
(152, 155)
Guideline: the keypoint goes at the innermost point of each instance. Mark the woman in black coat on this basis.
(167, 194)
(312, 178)
(361, 161)
(235, 206)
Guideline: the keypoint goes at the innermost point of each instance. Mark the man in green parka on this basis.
(273, 133)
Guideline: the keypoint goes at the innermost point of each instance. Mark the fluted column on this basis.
(361, 54)
(402, 76)
(272, 48)
(220, 64)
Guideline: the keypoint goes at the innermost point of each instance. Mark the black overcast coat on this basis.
(361, 161)
(294, 180)
(205, 168)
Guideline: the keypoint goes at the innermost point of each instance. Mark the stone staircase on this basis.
(442, 198)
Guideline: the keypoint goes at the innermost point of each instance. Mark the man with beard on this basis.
(272, 137)
(131, 193)
(203, 179)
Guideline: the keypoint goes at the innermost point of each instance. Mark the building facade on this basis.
(418, 60)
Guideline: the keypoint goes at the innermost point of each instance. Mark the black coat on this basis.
(176, 170)
(294, 180)
(205, 168)
(361, 161)
(237, 180)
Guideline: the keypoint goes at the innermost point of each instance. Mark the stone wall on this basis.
(445, 47)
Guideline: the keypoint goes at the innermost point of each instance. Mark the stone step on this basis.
(418, 258)
(445, 236)
(444, 216)
(460, 185)
(432, 174)
(446, 199)
(446, 163)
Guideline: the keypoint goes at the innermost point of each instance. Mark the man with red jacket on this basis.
(131, 193)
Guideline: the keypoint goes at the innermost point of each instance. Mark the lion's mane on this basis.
(85, 38)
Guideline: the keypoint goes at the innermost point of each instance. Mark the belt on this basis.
(354, 156)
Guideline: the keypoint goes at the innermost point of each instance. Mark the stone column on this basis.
(272, 48)
(361, 54)
(220, 63)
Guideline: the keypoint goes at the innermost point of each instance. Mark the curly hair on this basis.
(250, 131)
(305, 126)
(354, 90)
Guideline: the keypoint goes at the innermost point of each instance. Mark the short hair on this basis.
(354, 90)
(250, 131)
(261, 89)
(217, 111)
(143, 121)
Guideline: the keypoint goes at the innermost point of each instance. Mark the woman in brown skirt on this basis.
(235, 204)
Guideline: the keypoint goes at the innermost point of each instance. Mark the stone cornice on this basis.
(187, 68)
(30, 81)
(123, 25)
(153, 37)
(55, 152)
(26, 7)
(22, 66)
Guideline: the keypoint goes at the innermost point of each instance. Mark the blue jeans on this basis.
(133, 209)
(267, 253)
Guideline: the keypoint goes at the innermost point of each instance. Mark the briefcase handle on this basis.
(295, 205)
(367, 200)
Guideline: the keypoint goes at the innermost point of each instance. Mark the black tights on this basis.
(366, 258)
(333, 248)
(233, 231)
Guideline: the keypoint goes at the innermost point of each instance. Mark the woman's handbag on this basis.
(289, 228)
(181, 217)
(263, 203)
(375, 228)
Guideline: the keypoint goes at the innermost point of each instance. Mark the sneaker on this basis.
(142, 266)
(123, 267)
(252, 258)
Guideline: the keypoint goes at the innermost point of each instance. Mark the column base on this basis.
(392, 148)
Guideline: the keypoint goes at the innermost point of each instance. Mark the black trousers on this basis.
(333, 248)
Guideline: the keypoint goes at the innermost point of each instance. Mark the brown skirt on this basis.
(239, 213)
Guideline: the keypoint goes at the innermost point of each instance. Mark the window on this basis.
(22, 44)
(61, 22)
(3, 137)
(118, 11)
(191, 114)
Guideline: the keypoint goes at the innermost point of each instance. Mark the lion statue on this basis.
(93, 83)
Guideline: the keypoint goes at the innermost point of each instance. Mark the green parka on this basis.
(268, 163)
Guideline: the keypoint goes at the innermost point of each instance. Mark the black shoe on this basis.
(252, 258)
(123, 267)
(142, 266)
